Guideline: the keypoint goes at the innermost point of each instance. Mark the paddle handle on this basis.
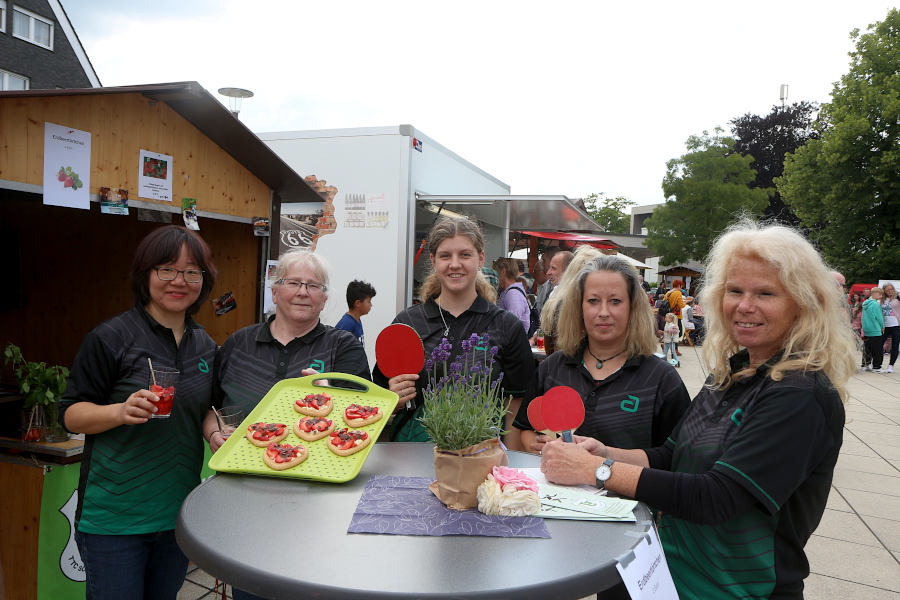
(567, 436)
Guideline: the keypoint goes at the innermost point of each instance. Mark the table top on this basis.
(223, 523)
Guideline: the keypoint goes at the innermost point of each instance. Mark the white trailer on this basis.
(385, 187)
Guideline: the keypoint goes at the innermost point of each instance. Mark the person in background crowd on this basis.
(493, 278)
(547, 286)
(661, 290)
(359, 301)
(559, 264)
(676, 303)
(606, 353)
(525, 276)
(670, 335)
(743, 479)
(687, 319)
(644, 285)
(127, 504)
(856, 303)
(841, 281)
(873, 329)
(456, 302)
(512, 297)
(890, 308)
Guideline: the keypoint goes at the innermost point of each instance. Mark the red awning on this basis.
(580, 238)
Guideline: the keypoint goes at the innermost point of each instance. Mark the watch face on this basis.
(603, 472)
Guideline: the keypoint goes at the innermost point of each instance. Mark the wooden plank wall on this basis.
(75, 266)
(20, 513)
(120, 126)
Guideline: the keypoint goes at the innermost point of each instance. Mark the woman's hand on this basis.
(215, 441)
(138, 408)
(405, 387)
(536, 441)
(592, 445)
(568, 464)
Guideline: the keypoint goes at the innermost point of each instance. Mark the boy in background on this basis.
(359, 301)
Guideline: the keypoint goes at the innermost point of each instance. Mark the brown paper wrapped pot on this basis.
(458, 473)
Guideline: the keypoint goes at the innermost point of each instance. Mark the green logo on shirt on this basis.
(631, 404)
(318, 365)
(737, 416)
(203, 366)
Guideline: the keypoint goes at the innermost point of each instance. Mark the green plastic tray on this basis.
(238, 455)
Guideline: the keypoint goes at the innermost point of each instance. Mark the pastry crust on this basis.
(362, 422)
(361, 437)
(315, 412)
(312, 436)
(263, 443)
(285, 450)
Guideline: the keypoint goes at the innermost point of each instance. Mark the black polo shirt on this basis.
(514, 357)
(635, 407)
(779, 440)
(135, 477)
(252, 361)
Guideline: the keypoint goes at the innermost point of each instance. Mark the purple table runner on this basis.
(405, 506)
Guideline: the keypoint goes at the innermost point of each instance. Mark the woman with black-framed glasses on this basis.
(136, 469)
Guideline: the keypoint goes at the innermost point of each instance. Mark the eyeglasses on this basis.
(311, 288)
(170, 273)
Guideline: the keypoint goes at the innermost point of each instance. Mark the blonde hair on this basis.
(640, 335)
(820, 338)
(450, 227)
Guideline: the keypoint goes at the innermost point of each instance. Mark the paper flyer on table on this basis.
(155, 176)
(67, 167)
(582, 502)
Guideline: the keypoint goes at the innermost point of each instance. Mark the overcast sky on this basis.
(551, 98)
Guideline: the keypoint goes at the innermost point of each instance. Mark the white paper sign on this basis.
(155, 176)
(646, 572)
(67, 166)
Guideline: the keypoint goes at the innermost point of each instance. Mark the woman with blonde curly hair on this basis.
(607, 341)
(743, 479)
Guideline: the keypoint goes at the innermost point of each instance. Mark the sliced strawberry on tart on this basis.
(357, 415)
(263, 434)
(314, 405)
(284, 456)
(345, 442)
(313, 428)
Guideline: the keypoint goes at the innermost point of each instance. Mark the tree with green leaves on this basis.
(609, 213)
(706, 189)
(767, 139)
(845, 186)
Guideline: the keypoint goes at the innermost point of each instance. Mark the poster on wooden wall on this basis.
(155, 176)
(67, 166)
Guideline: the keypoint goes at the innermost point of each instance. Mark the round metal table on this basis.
(226, 524)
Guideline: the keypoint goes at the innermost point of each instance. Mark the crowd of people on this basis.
(740, 474)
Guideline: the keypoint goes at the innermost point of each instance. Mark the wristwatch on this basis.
(603, 472)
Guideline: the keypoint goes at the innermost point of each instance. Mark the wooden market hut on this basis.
(66, 270)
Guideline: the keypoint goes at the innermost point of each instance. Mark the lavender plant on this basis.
(462, 405)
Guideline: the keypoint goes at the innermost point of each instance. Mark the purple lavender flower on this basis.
(429, 364)
(494, 351)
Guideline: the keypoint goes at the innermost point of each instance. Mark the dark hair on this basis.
(162, 246)
(358, 290)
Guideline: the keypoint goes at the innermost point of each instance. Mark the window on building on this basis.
(11, 81)
(2, 15)
(32, 28)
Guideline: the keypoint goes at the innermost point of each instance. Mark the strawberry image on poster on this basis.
(69, 178)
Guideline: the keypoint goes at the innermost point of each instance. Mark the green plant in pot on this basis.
(42, 387)
(463, 414)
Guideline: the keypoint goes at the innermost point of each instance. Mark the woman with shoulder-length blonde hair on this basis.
(743, 478)
(607, 340)
(456, 302)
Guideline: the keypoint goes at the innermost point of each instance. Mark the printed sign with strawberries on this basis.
(69, 178)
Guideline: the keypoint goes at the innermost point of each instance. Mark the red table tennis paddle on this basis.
(536, 418)
(399, 351)
(562, 410)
